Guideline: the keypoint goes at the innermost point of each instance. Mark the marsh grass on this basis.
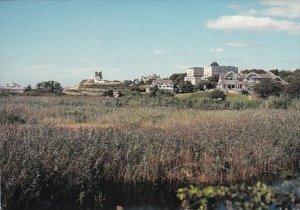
(73, 144)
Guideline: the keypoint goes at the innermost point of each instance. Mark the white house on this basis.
(236, 82)
(163, 84)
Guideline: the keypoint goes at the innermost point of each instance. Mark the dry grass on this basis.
(68, 144)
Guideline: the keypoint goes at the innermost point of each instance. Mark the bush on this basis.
(268, 87)
(217, 94)
(109, 93)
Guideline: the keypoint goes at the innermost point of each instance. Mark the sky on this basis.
(67, 41)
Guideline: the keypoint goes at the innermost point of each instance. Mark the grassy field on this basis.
(204, 95)
(58, 145)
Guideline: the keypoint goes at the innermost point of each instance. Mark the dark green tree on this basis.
(185, 87)
(293, 88)
(28, 88)
(177, 78)
(109, 93)
(49, 87)
(268, 87)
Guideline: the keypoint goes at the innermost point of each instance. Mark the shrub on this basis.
(217, 94)
(268, 87)
(109, 93)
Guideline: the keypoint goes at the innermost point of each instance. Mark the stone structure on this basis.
(97, 78)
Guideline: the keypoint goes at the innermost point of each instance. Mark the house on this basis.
(236, 82)
(215, 69)
(163, 84)
(194, 75)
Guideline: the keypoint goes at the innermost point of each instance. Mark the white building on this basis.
(194, 75)
(215, 69)
(13, 88)
(163, 84)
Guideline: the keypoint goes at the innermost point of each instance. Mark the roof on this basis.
(162, 82)
(242, 77)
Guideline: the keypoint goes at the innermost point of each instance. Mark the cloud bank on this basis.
(251, 23)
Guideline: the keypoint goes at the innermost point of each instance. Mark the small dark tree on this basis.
(109, 93)
(185, 87)
(177, 78)
(200, 86)
(268, 87)
(217, 94)
(293, 88)
(214, 78)
(28, 88)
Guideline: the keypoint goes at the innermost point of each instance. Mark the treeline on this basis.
(52, 87)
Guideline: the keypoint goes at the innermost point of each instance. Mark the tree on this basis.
(217, 94)
(185, 87)
(200, 86)
(109, 93)
(49, 87)
(293, 88)
(214, 78)
(268, 87)
(28, 89)
(177, 78)
(275, 71)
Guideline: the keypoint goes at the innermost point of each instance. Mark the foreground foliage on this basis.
(242, 196)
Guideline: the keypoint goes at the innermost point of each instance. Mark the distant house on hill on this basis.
(236, 82)
(163, 84)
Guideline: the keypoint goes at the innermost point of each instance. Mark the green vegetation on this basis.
(242, 196)
(48, 87)
(68, 146)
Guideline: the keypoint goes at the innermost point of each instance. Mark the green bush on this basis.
(217, 94)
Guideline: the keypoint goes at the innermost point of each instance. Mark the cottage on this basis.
(163, 84)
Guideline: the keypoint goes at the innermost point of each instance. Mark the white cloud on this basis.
(251, 23)
(160, 52)
(236, 44)
(216, 50)
(279, 8)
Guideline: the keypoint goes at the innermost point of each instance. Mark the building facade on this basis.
(236, 82)
(163, 84)
(215, 69)
(194, 75)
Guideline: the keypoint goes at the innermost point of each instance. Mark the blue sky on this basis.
(67, 41)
